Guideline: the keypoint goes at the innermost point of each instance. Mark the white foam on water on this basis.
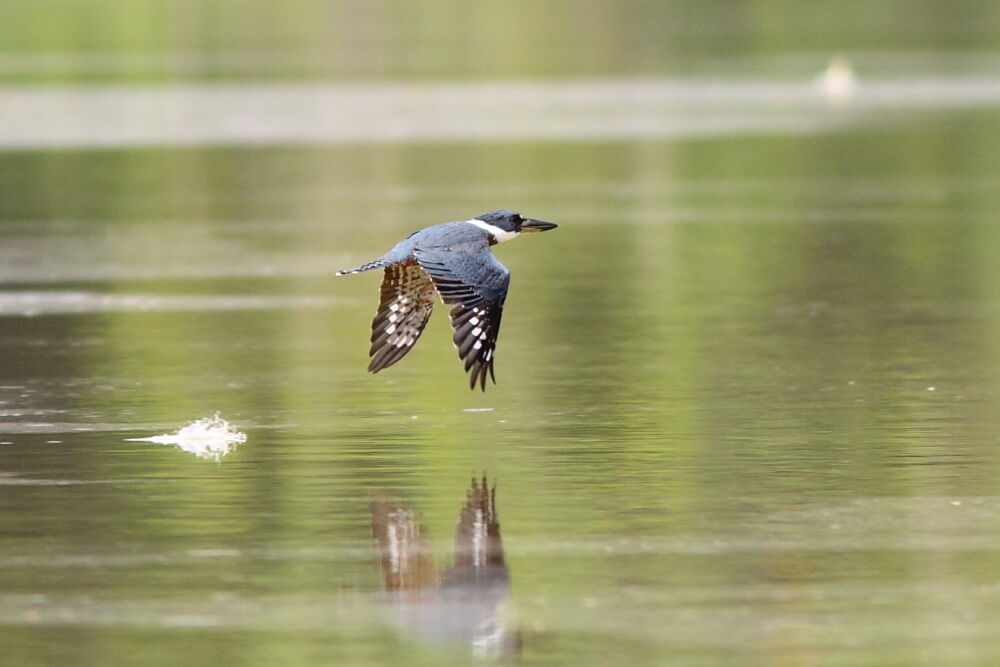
(207, 438)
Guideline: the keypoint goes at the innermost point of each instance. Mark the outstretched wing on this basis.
(470, 277)
(407, 297)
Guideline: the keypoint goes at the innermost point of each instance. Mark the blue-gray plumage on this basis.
(454, 260)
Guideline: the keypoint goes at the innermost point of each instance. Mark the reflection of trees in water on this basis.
(461, 603)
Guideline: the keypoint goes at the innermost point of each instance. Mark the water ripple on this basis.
(26, 303)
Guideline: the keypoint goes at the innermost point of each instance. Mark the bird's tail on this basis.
(375, 264)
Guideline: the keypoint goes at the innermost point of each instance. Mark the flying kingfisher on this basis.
(454, 260)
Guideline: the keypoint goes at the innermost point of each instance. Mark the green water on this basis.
(747, 393)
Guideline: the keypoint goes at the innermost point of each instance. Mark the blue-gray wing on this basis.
(469, 277)
(405, 303)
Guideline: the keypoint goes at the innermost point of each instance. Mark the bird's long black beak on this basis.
(531, 226)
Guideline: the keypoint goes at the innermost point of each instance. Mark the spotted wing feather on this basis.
(405, 304)
(475, 283)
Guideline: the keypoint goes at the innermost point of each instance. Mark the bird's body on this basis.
(454, 261)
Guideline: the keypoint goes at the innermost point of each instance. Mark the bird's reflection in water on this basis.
(462, 603)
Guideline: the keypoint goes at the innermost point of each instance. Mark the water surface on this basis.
(747, 396)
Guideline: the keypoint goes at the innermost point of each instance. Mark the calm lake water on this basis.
(748, 399)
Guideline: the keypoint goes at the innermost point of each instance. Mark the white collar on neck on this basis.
(499, 234)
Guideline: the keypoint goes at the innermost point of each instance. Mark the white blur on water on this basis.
(207, 438)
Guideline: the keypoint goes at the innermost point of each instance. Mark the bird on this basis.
(453, 260)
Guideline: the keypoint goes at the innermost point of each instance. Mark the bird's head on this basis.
(504, 225)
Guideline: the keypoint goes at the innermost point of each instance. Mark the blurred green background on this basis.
(748, 390)
(156, 40)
